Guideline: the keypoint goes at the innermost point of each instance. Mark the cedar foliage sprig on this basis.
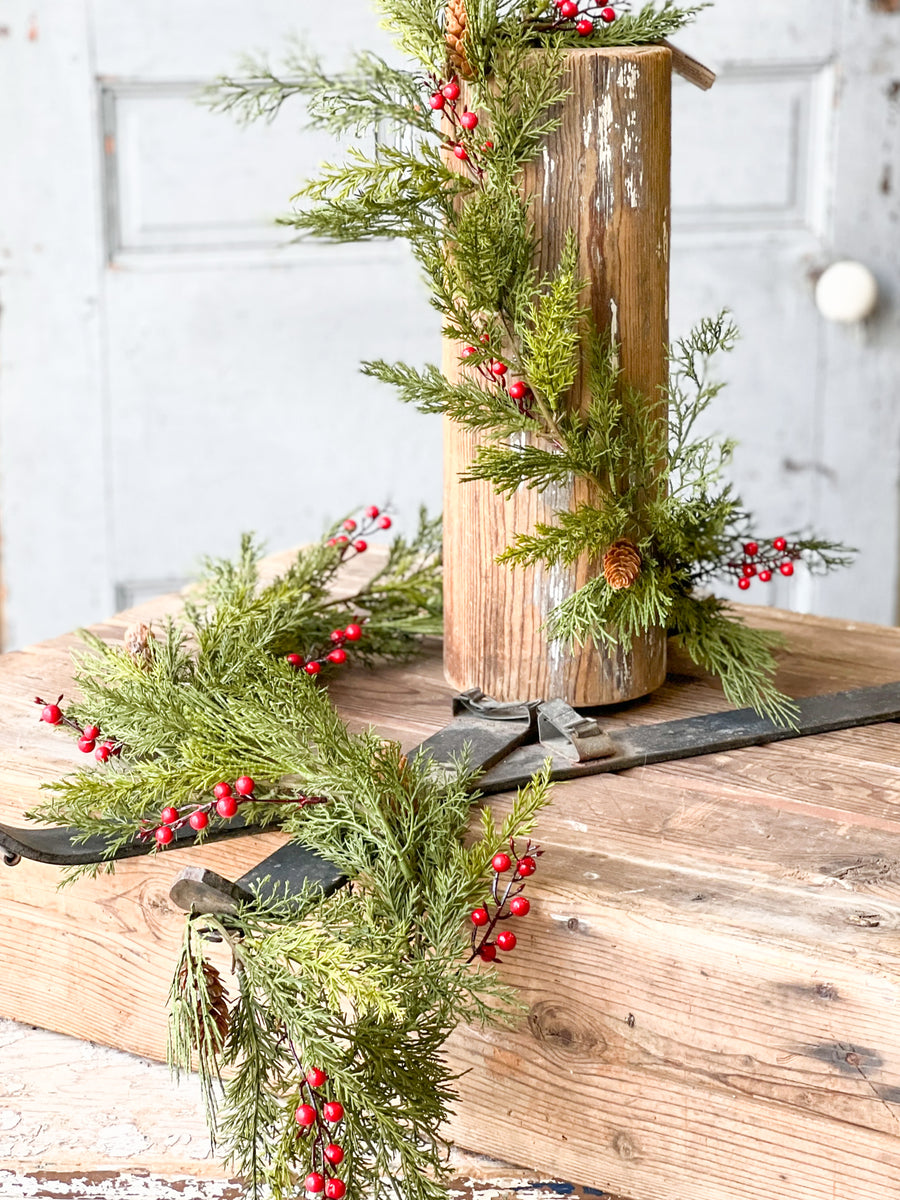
(366, 984)
(219, 698)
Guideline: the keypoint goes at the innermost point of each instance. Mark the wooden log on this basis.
(604, 173)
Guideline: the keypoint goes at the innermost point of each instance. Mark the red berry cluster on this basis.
(352, 541)
(762, 561)
(582, 17)
(506, 904)
(227, 799)
(337, 655)
(88, 735)
(461, 124)
(495, 371)
(314, 1115)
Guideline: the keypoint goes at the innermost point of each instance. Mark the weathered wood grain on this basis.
(711, 970)
(605, 175)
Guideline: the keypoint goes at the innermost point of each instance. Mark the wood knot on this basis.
(564, 1031)
(854, 1059)
(625, 1146)
(827, 991)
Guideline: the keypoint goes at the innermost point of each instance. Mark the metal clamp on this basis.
(476, 704)
(565, 732)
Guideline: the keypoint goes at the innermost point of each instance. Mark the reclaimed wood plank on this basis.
(711, 969)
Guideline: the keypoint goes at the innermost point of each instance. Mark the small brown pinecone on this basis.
(622, 564)
(137, 639)
(456, 27)
(216, 1014)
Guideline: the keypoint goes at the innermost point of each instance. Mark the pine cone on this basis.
(137, 639)
(456, 24)
(217, 1005)
(622, 564)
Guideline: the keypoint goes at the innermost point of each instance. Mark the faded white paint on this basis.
(89, 1123)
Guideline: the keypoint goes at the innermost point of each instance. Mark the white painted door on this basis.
(791, 163)
(171, 373)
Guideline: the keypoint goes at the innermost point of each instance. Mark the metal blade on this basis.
(713, 733)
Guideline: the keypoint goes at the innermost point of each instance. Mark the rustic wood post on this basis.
(604, 173)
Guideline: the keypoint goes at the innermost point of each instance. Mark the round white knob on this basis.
(847, 291)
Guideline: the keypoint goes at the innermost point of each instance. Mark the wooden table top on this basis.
(741, 910)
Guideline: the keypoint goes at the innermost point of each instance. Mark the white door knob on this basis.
(847, 291)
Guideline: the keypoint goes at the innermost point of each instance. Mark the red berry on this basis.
(103, 752)
(608, 15)
(461, 152)
(335, 1189)
(751, 549)
(488, 952)
(342, 540)
(517, 390)
(385, 523)
(164, 835)
(331, 542)
(349, 524)
(373, 511)
(91, 731)
(305, 1115)
(765, 576)
(450, 90)
(787, 568)
(743, 583)
(506, 940)
(485, 339)
(360, 546)
(338, 656)
(333, 1111)
(86, 744)
(437, 101)
(221, 790)
(294, 660)
(498, 368)
(52, 714)
(313, 668)
(520, 906)
(337, 636)
(488, 146)
(780, 544)
(480, 916)
(244, 786)
(334, 1154)
(469, 120)
(526, 866)
(168, 815)
(198, 820)
(227, 806)
(568, 8)
(315, 1077)
(353, 633)
(468, 352)
(315, 1182)
(501, 862)
(749, 570)
(585, 27)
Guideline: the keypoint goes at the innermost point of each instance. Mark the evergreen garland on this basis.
(468, 225)
(220, 693)
(326, 1066)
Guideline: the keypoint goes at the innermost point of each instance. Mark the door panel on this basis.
(172, 371)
